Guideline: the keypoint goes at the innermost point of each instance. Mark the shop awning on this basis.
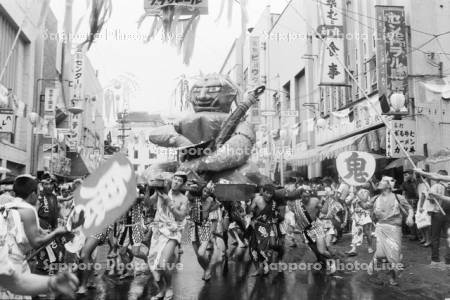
(355, 143)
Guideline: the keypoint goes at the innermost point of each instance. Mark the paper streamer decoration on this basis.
(178, 22)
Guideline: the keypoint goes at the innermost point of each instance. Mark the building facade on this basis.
(18, 80)
(325, 92)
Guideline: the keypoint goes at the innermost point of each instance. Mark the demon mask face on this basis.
(213, 93)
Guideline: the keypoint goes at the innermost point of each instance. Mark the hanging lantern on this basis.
(398, 102)
(321, 123)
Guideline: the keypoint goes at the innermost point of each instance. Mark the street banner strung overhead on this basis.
(355, 168)
(333, 52)
(392, 59)
(106, 194)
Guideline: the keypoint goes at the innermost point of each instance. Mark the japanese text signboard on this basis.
(51, 97)
(355, 168)
(75, 127)
(254, 62)
(7, 122)
(405, 131)
(392, 54)
(332, 32)
(78, 75)
(106, 194)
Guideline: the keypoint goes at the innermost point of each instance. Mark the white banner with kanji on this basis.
(333, 51)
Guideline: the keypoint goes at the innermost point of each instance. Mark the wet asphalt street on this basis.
(235, 282)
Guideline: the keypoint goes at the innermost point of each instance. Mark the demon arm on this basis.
(167, 136)
(232, 154)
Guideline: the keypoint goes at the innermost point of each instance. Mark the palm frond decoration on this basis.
(229, 7)
(178, 24)
(100, 13)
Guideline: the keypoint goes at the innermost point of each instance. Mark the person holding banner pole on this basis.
(170, 220)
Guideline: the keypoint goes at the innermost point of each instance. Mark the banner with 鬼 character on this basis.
(405, 131)
(106, 194)
(355, 168)
(333, 51)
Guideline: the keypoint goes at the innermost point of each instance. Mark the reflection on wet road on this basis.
(235, 282)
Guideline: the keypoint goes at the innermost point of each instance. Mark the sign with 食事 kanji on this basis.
(332, 33)
(355, 168)
(405, 132)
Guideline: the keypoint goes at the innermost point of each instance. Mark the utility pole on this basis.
(123, 121)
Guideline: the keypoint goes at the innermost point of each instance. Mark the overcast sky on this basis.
(157, 65)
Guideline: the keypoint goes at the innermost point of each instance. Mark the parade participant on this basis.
(360, 208)
(86, 258)
(264, 233)
(66, 203)
(236, 228)
(306, 213)
(409, 189)
(170, 220)
(132, 234)
(48, 212)
(439, 193)
(388, 211)
(202, 227)
(424, 208)
(48, 205)
(289, 218)
(26, 232)
(329, 216)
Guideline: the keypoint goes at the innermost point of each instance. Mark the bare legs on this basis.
(86, 258)
(163, 276)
